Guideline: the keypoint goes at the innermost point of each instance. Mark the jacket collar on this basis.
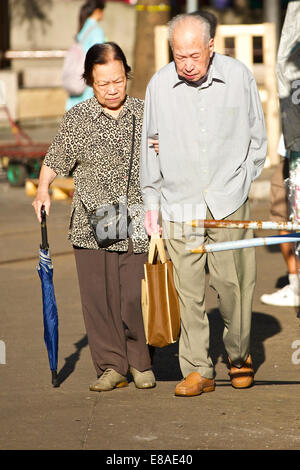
(214, 74)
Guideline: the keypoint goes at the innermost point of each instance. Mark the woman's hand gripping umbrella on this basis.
(45, 270)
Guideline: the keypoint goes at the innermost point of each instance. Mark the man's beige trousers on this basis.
(231, 273)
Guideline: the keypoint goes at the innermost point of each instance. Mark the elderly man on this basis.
(205, 111)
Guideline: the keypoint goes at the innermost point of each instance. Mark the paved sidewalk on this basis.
(34, 415)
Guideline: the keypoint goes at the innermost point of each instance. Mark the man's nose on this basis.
(189, 64)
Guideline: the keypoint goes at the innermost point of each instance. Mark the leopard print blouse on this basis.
(96, 148)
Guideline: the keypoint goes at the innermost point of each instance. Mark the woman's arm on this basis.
(47, 176)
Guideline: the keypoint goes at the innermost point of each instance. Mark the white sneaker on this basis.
(285, 297)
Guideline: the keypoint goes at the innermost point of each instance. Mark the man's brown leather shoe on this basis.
(194, 384)
(242, 377)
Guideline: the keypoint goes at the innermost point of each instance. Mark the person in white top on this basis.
(289, 295)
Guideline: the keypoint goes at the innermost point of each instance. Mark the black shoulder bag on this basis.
(111, 223)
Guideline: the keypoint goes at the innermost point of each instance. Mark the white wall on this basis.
(118, 24)
(40, 79)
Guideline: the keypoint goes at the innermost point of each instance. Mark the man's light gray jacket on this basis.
(212, 141)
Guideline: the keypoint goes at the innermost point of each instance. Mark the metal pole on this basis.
(247, 243)
(272, 14)
(246, 224)
(191, 5)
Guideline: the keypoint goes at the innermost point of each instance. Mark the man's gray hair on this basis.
(186, 17)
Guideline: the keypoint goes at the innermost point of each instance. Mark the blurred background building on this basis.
(35, 34)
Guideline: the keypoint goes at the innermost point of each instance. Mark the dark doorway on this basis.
(4, 32)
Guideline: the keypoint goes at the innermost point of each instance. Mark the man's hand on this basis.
(154, 142)
(151, 223)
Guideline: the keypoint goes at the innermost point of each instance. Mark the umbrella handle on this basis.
(44, 244)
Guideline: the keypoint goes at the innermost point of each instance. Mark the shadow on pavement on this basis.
(166, 363)
(165, 360)
(227, 383)
(263, 326)
(70, 361)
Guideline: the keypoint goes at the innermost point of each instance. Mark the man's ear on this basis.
(211, 46)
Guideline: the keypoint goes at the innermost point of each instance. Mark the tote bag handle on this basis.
(156, 247)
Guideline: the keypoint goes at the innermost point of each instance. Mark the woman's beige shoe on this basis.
(144, 379)
(109, 380)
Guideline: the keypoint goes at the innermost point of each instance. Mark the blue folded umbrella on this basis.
(50, 316)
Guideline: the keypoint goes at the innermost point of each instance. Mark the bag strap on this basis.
(156, 247)
(131, 156)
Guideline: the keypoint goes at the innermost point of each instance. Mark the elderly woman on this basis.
(94, 142)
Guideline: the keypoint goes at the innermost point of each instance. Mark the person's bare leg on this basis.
(288, 253)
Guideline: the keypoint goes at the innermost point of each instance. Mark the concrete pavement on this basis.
(34, 415)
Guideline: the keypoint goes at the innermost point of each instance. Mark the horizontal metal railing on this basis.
(39, 54)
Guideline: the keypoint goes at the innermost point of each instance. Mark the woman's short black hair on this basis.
(102, 54)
